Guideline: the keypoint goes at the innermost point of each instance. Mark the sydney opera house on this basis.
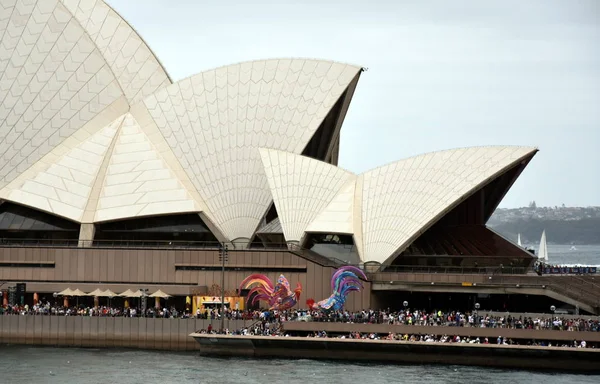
(115, 176)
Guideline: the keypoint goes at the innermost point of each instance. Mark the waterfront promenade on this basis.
(173, 334)
(581, 360)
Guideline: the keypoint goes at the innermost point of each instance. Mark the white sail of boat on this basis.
(543, 251)
(519, 240)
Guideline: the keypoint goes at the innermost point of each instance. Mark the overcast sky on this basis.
(441, 74)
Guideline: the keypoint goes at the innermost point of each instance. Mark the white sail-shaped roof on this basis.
(61, 183)
(302, 188)
(385, 208)
(53, 81)
(338, 216)
(401, 199)
(92, 128)
(215, 122)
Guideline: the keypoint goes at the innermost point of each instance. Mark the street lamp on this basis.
(477, 306)
(223, 256)
(144, 301)
(552, 308)
(405, 303)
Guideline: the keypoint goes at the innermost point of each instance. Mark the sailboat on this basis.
(543, 251)
(519, 240)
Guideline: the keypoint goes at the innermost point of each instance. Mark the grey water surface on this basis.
(22, 364)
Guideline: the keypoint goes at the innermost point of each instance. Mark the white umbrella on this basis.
(78, 292)
(97, 293)
(138, 293)
(127, 293)
(66, 292)
(109, 293)
(160, 294)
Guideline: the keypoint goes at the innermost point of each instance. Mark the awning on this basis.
(214, 303)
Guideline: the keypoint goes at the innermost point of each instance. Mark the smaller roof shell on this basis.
(384, 208)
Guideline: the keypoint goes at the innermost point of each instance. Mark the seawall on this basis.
(106, 332)
(173, 334)
(500, 356)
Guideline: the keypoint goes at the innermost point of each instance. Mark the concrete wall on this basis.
(491, 333)
(121, 269)
(501, 356)
(106, 332)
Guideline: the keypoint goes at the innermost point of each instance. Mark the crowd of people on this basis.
(451, 319)
(431, 338)
(45, 309)
(403, 317)
(275, 330)
(555, 269)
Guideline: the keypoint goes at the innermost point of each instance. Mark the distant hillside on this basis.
(563, 225)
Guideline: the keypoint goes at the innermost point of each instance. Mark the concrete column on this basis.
(86, 235)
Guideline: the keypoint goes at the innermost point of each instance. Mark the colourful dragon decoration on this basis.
(279, 296)
(345, 280)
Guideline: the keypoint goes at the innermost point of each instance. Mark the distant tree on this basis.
(533, 205)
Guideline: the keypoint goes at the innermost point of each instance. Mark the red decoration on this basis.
(310, 303)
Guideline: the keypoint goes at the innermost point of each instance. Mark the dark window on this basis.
(25, 265)
(23, 225)
(240, 269)
(172, 230)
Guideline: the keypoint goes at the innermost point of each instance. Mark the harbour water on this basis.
(20, 364)
(574, 254)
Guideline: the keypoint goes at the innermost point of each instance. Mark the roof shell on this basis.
(215, 121)
(73, 74)
(54, 80)
(404, 198)
(384, 208)
(302, 188)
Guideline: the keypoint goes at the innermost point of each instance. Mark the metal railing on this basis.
(172, 245)
(496, 270)
(155, 243)
(308, 254)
